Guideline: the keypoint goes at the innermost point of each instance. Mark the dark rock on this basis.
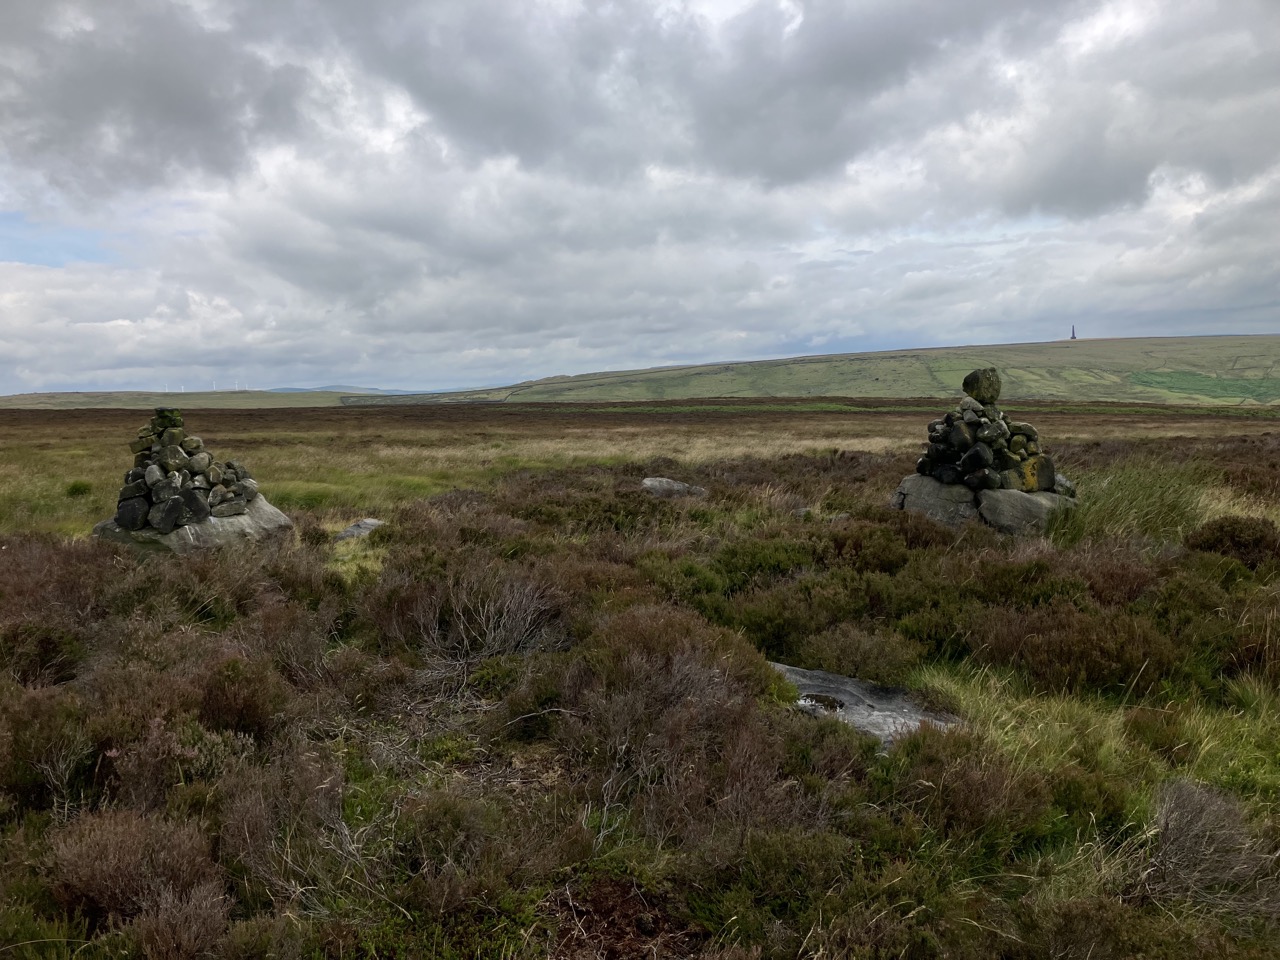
(943, 453)
(962, 436)
(214, 473)
(978, 458)
(138, 488)
(141, 461)
(993, 432)
(242, 472)
(972, 419)
(986, 479)
(166, 489)
(153, 475)
(951, 504)
(230, 508)
(948, 473)
(201, 483)
(249, 488)
(218, 494)
(924, 466)
(163, 517)
(134, 475)
(196, 503)
(132, 514)
(983, 385)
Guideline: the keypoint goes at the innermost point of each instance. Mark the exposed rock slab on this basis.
(882, 712)
(361, 528)
(663, 487)
(950, 504)
(1026, 514)
(260, 521)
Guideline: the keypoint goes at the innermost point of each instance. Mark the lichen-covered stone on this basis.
(172, 459)
(1031, 475)
(983, 385)
(173, 437)
(153, 475)
(192, 445)
(140, 446)
(229, 508)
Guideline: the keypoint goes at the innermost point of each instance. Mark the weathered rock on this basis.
(1024, 430)
(172, 459)
(200, 462)
(192, 445)
(885, 713)
(201, 483)
(218, 494)
(1032, 474)
(138, 488)
(951, 504)
(962, 435)
(361, 528)
(240, 470)
(153, 475)
(229, 508)
(163, 517)
(983, 385)
(260, 521)
(196, 503)
(1063, 487)
(140, 446)
(166, 489)
(1023, 514)
(986, 479)
(132, 476)
(214, 473)
(166, 417)
(248, 488)
(948, 473)
(978, 458)
(132, 514)
(663, 487)
(173, 437)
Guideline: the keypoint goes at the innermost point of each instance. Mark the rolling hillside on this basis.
(1196, 370)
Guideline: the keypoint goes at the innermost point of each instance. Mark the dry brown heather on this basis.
(532, 716)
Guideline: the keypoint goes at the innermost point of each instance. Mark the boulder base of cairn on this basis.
(980, 465)
(179, 498)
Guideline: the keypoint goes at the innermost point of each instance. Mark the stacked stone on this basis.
(175, 481)
(977, 445)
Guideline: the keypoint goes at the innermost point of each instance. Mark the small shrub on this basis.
(117, 864)
(1063, 647)
(242, 695)
(877, 656)
(78, 488)
(1251, 540)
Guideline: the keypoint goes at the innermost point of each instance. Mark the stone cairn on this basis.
(980, 465)
(175, 481)
(978, 445)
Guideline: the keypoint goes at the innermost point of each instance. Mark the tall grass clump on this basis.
(1136, 499)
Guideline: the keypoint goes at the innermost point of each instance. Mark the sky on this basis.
(450, 193)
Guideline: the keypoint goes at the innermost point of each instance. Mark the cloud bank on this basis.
(467, 192)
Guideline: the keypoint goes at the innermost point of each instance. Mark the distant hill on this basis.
(209, 400)
(1194, 370)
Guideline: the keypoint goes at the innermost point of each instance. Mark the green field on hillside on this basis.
(206, 400)
(1196, 370)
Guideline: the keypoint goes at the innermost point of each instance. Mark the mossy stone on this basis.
(983, 385)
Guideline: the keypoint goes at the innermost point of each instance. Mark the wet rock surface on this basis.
(882, 712)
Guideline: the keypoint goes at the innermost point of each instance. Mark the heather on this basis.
(532, 715)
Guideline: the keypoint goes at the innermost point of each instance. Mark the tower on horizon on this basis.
(1073, 331)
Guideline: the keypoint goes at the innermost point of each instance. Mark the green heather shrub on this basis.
(46, 757)
(1251, 540)
(1062, 647)
(876, 655)
(242, 696)
(78, 488)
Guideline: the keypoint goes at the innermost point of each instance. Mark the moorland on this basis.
(1204, 371)
(533, 714)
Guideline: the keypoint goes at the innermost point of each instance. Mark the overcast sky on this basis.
(446, 193)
